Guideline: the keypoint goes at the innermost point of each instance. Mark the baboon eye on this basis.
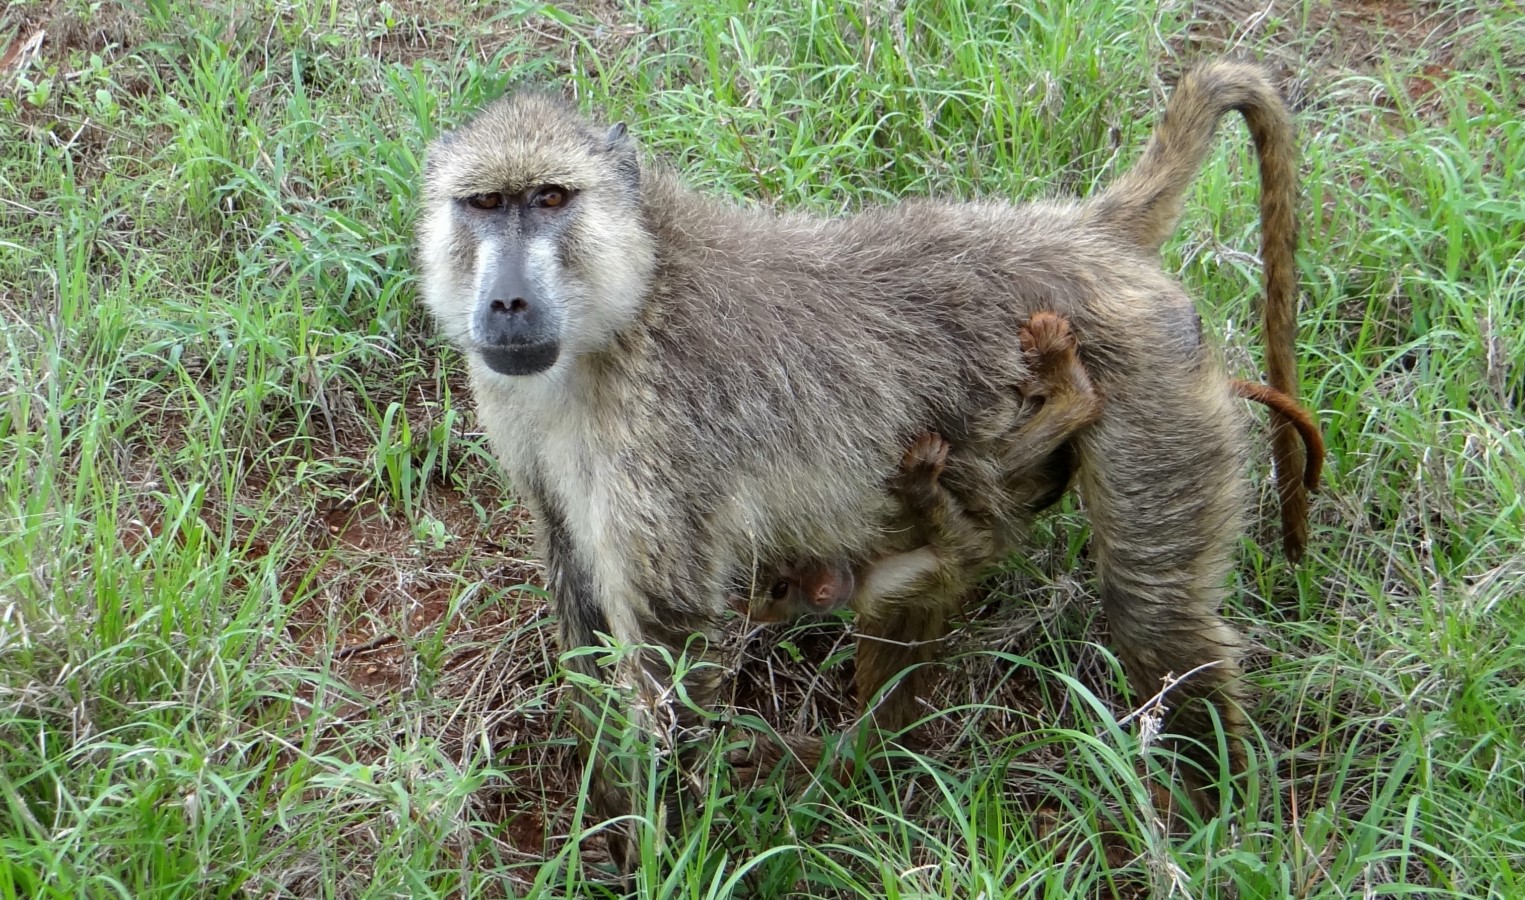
(485, 201)
(548, 197)
(779, 590)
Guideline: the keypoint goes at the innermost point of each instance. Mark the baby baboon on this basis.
(819, 588)
(952, 542)
(797, 590)
(678, 386)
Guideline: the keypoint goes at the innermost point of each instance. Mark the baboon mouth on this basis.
(526, 359)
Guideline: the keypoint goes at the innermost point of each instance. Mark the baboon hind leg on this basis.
(894, 637)
(1161, 478)
(1057, 377)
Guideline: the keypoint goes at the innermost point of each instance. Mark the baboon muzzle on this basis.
(514, 333)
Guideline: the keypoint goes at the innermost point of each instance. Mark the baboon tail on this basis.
(1144, 205)
(1302, 420)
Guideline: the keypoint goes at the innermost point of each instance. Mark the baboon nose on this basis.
(512, 319)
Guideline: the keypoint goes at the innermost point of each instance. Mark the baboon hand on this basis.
(926, 458)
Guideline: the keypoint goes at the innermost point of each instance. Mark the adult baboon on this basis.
(678, 387)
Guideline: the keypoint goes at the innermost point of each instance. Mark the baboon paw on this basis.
(1046, 333)
(927, 456)
(792, 757)
(1053, 365)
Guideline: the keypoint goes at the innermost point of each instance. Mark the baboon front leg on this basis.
(954, 540)
(660, 710)
(610, 791)
(905, 599)
(1161, 477)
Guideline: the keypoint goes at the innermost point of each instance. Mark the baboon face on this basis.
(816, 589)
(532, 245)
(799, 589)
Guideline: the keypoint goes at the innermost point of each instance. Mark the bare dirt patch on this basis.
(1339, 38)
(1338, 35)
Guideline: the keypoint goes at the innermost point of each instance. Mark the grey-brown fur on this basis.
(949, 538)
(952, 546)
(732, 386)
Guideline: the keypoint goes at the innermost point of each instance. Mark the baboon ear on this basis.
(832, 589)
(619, 144)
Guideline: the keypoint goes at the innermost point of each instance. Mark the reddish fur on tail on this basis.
(1301, 419)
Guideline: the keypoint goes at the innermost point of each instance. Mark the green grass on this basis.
(267, 620)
